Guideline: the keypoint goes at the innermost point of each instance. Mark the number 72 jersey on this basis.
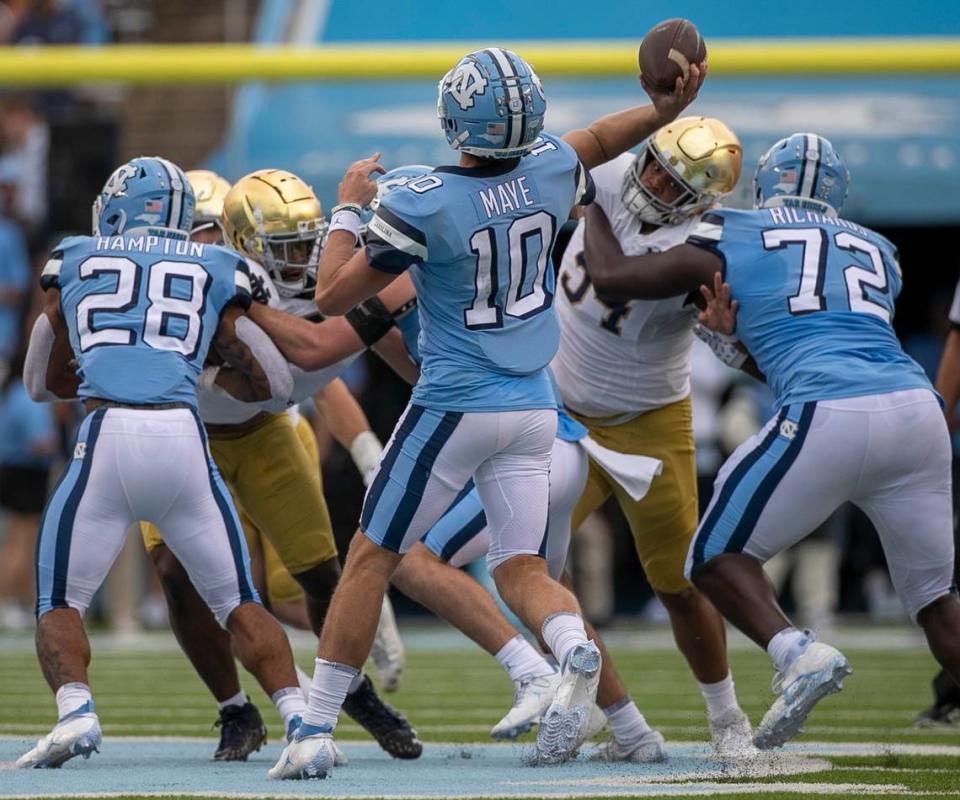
(816, 299)
(141, 311)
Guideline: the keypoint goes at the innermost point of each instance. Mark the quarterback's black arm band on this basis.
(370, 320)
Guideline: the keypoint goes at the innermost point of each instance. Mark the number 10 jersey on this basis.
(478, 243)
(141, 311)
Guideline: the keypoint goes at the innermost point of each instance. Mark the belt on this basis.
(96, 402)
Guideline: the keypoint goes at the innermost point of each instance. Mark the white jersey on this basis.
(219, 410)
(618, 360)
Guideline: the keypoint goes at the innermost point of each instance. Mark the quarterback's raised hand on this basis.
(670, 105)
(357, 185)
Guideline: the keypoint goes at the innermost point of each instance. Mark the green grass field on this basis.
(455, 695)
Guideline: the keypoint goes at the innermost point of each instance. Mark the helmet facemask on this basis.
(290, 258)
(643, 202)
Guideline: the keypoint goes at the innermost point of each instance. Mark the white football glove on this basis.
(365, 451)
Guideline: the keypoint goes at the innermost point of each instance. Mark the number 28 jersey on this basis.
(816, 298)
(141, 311)
(478, 244)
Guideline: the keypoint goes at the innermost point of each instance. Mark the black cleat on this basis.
(242, 732)
(945, 711)
(383, 722)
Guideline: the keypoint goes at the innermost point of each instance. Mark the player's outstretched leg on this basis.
(208, 648)
(347, 635)
(456, 597)
(64, 654)
(940, 621)
(371, 712)
(807, 671)
(544, 605)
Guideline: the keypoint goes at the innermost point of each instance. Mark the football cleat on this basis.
(648, 749)
(242, 732)
(817, 672)
(339, 757)
(310, 755)
(388, 653)
(531, 698)
(383, 722)
(596, 723)
(563, 728)
(945, 711)
(76, 734)
(732, 736)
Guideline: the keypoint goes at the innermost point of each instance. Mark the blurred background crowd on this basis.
(900, 138)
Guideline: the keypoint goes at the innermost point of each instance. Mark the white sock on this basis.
(331, 682)
(305, 682)
(239, 699)
(519, 658)
(71, 696)
(562, 632)
(626, 722)
(290, 703)
(356, 683)
(786, 647)
(719, 696)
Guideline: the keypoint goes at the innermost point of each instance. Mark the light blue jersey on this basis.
(142, 310)
(478, 244)
(816, 297)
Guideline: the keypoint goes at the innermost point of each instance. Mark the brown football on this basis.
(668, 50)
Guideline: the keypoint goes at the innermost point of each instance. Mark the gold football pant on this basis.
(663, 522)
(273, 473)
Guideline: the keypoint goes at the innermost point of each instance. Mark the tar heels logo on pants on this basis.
(466, 82)
(80, 450)
(788, 429)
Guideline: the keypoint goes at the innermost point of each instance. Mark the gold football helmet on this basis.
(209, 189)
(702, 155)
(276, 219)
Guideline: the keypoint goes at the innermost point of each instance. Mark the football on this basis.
(668, 50)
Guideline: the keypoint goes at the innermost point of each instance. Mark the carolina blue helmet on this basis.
(398, 176)
(145, 193)
(803, 171)
(491, 104)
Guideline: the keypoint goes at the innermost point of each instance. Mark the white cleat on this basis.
(732, 736)
(77, 734)
(310, 755)
(596, 723)
(387, 653)
(648, 749)
(531, 699)
(563, 728)
(817, 672)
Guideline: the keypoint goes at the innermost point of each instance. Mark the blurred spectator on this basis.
(15, 275)
(56, 22)
(28, 443)
(25, 142)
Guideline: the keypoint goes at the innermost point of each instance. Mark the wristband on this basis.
(365, 450)
(354, 207)
(724, 347)
(345, 219)
(370, 320)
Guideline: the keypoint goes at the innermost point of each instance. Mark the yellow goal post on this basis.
(232, 63)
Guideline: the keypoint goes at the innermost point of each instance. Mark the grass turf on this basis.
(456, 695)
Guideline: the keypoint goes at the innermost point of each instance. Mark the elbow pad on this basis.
(371, 320)
(270, 359)
(38, 357)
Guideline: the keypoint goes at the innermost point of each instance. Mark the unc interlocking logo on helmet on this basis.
(146, 193)
(466, 81)
(491, 104)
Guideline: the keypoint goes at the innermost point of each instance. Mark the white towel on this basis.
(633, 473)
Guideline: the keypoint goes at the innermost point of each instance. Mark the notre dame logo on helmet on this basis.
(467, 80)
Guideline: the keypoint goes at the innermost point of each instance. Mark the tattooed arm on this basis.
(259, 371)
